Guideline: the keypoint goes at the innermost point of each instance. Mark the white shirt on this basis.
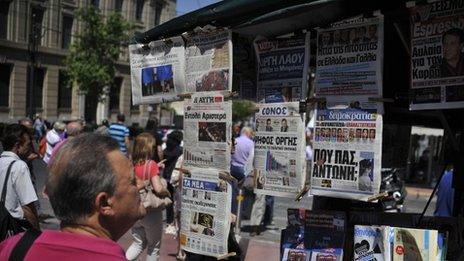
(20, 190)
(52, 138)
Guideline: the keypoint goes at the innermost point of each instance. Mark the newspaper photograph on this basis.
(347, 154)
(279, 161)
(209, 61)
(437, 66)
(282, 69)
(157, 71)
(349, 65)
(207, 131)
(205, 207)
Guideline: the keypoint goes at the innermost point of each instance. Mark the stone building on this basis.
(55, 21)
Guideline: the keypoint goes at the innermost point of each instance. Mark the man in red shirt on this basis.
(93, 192)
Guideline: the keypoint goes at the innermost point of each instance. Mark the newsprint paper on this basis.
(209, 61)
(279, 160)
(207, 131)
(205, 219)
(349, 64)
(437, 66)
(282, 69)
(347, 154)
(372, 243)
(157, 71)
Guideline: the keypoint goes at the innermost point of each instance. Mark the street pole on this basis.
(32, 48)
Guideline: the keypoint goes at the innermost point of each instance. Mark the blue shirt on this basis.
(243, 148)
(119, 132)
(445, 196)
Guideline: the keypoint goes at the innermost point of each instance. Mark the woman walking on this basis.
(148, 231)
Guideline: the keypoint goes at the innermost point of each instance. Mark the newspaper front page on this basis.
(206, 208)
(157, 71)
(207, 135)
(347, 154)
(209, 61)
(437, 66)
(282, 69)
(279, 161)
(349, 65)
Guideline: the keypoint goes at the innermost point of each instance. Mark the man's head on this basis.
(121, 117)
(268, 122)
(59, 126)
(92, 183)
(372, 134)
(452, 40)
(74, 128)
(372, 31)
(247, 131)
(284, 122)
(16, 139)
(26, 122)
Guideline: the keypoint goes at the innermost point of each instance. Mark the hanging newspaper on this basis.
(349, 65)
(279, 161)
(347, 154)
(372, 243)
(282, 69)
(415, 244)
(157, 71)
(207, 135)
(206, 208)
(437, 67)
(209, 61)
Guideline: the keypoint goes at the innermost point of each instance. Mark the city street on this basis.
(264, 246)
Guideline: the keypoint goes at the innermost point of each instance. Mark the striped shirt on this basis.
(119, 132)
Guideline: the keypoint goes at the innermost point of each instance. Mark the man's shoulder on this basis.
(117, 126)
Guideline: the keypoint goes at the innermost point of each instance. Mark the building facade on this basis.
(55, 28)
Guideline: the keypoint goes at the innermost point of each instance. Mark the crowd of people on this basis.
(94, 194)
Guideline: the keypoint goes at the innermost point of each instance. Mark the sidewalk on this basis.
(419, 192)
(257, 249)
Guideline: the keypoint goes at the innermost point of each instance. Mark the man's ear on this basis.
(103, 204)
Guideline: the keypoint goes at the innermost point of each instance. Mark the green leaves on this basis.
(95, 49)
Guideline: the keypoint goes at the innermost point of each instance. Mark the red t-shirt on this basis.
(57, 245)
(152, 169)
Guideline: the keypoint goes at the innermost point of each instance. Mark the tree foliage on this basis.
(242, 110)
(95, 50)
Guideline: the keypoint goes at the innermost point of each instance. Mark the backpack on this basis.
(9, 226)
(42, 146)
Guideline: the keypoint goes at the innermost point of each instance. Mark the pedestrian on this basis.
(73, 129)
(243, 148)
(176, 182)
(445, 194)
(20, 197)
(148, 231)
(93, 193)
(103, 129)
(171, 155)
(53, 138)
(120, 133)
(32, 154)
(152, 127)
(39, 127)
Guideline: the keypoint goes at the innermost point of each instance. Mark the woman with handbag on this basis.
(154, 194)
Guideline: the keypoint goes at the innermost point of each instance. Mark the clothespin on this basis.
(225, 256)
(378, 196)
(302, 192)
(184, 95)
(182, 170)
(230, 95)
(224, 175)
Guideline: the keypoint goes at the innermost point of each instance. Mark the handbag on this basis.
(149, 198)
(9, 226)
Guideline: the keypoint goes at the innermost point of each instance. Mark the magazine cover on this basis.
(325, 234)
(371, 243)
(292, 239)
(414, 244)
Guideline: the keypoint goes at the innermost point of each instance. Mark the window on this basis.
(139, 9)
(66, 31)
(115, 92)
(37, 19)
(95, 3)
(5, 73)
(4, 7)
(118, 5)
(158, 10)
(64, 91)
(35, 90)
